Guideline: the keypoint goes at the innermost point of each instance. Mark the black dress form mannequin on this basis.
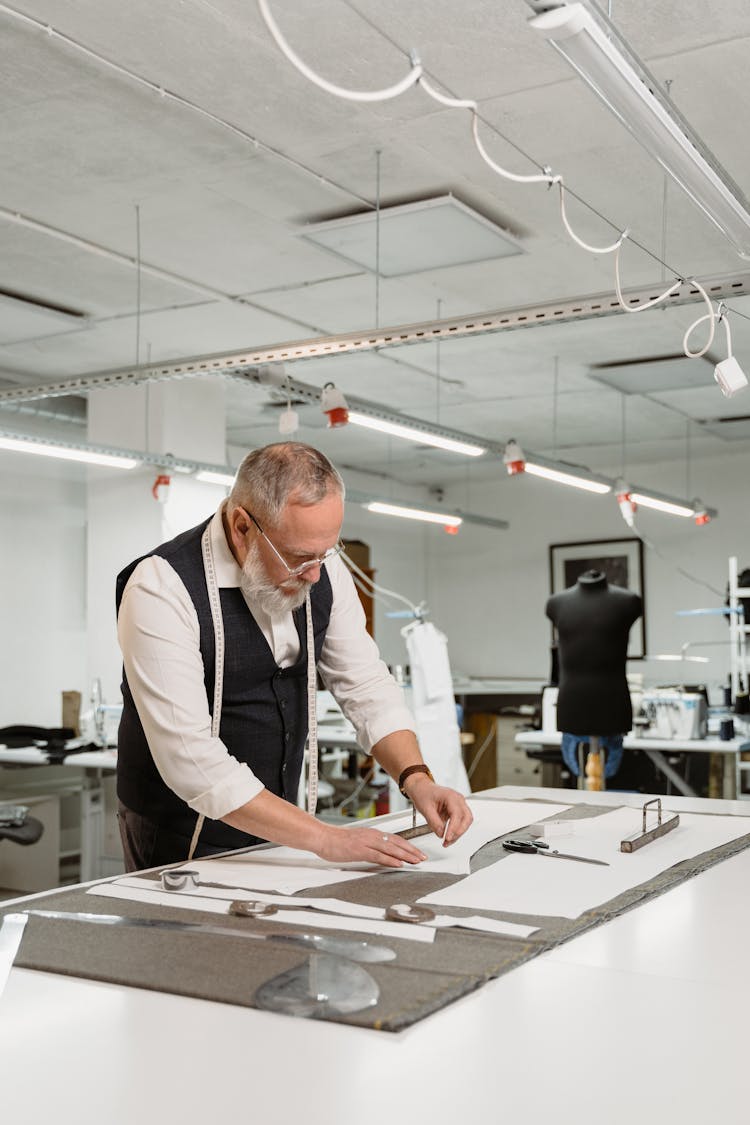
(593, 620)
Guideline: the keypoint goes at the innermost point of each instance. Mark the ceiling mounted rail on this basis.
(244, 362)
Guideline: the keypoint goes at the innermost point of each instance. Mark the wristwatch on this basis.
(420, 767)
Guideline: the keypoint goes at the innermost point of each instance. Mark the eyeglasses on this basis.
(294, 572)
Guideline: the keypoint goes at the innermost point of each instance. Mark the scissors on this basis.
(539, 847)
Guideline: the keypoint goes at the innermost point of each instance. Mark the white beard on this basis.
(273, 600)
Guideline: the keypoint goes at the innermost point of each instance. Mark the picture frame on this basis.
(621, 560)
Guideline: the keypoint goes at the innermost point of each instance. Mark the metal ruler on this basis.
(412, 833)
(351, 948)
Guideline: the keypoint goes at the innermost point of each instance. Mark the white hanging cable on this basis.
(538, 178)
(369, 589)
(584, 245)
(416, 75)
(645, 304)
(366, 586)
(444, 99)
(365, 578)
(339, 91)
(545, 177)
(711, 318)
(676, 566)
(725, 319)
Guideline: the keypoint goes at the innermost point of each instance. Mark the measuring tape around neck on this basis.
(312, 715)
(214, 600)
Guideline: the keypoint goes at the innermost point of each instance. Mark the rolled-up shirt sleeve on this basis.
(159, 637)
(351, 668)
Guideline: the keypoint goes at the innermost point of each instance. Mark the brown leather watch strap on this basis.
(420, 767)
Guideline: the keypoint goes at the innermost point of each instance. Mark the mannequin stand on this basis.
(591, 768)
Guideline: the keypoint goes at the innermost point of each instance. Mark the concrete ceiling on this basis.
(87, 149)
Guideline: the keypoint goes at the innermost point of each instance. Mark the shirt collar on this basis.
(228, 571)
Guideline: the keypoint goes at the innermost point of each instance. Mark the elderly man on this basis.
(221, 630)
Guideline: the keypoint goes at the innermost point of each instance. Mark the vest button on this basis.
(282, 705)
(287, 736)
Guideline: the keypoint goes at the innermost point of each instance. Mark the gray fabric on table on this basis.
(422, 979)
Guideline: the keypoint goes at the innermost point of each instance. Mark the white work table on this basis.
(641, 1020)
(34, 756)
(656, 748)
(85, 772)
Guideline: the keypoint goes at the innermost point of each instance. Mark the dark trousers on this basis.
(146, 844)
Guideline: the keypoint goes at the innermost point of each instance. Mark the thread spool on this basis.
(726, 730)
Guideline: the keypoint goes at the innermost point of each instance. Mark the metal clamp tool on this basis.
(639, 839)
(407, 912)
(178, 879)
(252, 908)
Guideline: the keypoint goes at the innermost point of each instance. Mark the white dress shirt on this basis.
(159, 636)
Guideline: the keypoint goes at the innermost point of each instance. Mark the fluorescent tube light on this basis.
(413, 514)
(659, 504)
(423, 437)
(588, 484)
(67, 453)
(207, 476)
(593, 48)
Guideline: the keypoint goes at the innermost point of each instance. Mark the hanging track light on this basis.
(408, 513)
(663, 504)
(517, 462)
(576, 479)
(592, 46)
(65, 451)
(422, 437)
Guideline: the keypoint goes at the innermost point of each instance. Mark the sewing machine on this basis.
(671, 713)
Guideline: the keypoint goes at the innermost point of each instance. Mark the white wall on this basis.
(42, 588)
(401, 554)
(486, 589)
(186, 419)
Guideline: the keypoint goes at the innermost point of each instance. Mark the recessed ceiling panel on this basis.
(21, 318)
(729, 429)
(426, 235)
(661, 373)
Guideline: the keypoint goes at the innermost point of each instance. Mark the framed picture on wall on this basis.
(621, 560)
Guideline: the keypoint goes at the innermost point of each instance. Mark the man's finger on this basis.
(395, 845)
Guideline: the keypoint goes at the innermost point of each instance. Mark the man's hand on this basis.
(445, 810)
(368, 845)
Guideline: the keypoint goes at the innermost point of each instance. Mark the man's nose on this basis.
(311, 573)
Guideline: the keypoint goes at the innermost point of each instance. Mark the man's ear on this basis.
(237, 525)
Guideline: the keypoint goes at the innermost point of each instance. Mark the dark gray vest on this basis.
(264, 707)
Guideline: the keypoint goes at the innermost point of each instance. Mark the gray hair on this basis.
(270, 477)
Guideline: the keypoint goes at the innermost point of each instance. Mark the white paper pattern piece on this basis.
(148, 890)
(230, 894)
(523, 883)
(286, 878)
(311, 919)
(491, 819)
(288, 870)
(486, 925)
